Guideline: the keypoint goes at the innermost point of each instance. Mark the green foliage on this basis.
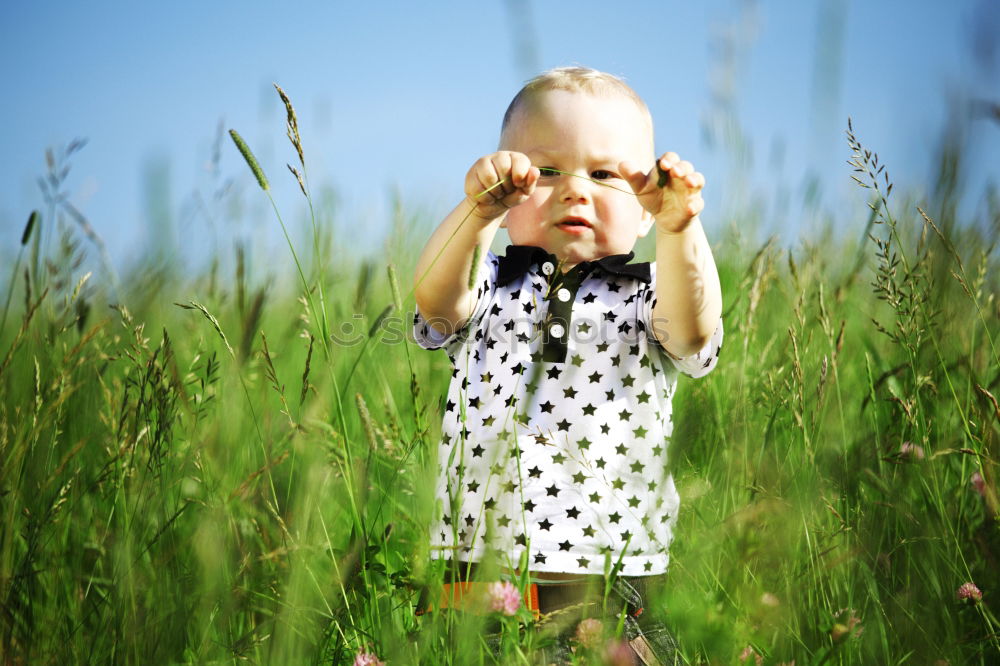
(173, 499)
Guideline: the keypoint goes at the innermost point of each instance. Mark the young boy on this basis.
(565, 355)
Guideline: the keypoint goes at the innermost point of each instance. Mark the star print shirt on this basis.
(558, 419)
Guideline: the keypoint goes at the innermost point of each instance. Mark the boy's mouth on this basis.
(573, 224)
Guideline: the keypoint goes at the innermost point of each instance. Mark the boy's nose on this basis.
(574, 189)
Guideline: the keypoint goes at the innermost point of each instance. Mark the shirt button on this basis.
(547, 268)
(557, 330)
(563, 294)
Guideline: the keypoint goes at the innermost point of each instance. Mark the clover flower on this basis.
(503, 598)
(618, 653)
(848, 625)
(365, 658)
(911, 451)
(770, 600)
(979, 484)
(969, 593)
(748, 652)
(589, 633)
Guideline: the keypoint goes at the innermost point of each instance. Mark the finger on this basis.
(485, 171)
(493, 194)
(525, 185)
(502, 166)
(634, 176)
(695, 205)
(681, 169)
(480, 177)
(695, 180)
(668, 160)
(531, 180)
(520, 169)
(488, 182)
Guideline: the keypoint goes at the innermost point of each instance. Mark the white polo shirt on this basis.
(558, 419)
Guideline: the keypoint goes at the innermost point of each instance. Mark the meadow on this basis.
(234, 466)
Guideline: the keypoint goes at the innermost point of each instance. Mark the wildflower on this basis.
(849, 627)
(838, 631)
(365, 658)
(969, 593)
(979, 484)
(504, 598)
(618, 653)
(748, 652)
(589, 633)
(770, 600)
(911, 451)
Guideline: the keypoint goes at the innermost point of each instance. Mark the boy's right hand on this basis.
(516, 178)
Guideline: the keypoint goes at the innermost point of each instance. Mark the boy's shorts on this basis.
(643, 634)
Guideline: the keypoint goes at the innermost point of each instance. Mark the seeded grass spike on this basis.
(305, 372)
(292, 130)
(32, 220)
(292, 124)
(251, 160)
(25, 237)
(195, 305)
(394, 287)
(319, 314)
(474, 269)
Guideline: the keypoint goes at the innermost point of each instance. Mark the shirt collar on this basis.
(520, 258)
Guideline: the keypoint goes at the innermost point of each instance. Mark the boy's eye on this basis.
(546, 172)
(602, 174)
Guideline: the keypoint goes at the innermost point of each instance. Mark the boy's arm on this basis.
(441, 280)
(688, 294)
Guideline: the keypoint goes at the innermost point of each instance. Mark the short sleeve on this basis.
(428, 337)
(704, 360)
(696, 365)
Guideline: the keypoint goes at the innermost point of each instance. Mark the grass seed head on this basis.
(251, 160)
(292, 125)
(195, 305)
(394, 286)
(305, 372)
(298, 178)
(474, 269)
(32, 220)
(366, 421)
(381, 318)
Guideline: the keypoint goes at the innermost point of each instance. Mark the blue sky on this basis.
(406, 96)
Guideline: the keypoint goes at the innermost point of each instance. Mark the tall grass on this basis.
(248, 477)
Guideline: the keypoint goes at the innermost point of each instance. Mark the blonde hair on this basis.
(573, 79)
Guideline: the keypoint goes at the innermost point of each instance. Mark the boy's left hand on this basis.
(679, 201)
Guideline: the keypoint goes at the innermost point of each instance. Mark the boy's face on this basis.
(573, 217)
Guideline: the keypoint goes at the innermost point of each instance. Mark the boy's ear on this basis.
(646, 223)
(503, 222)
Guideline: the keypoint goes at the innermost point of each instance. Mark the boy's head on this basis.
(577, 126)
(578, 80)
